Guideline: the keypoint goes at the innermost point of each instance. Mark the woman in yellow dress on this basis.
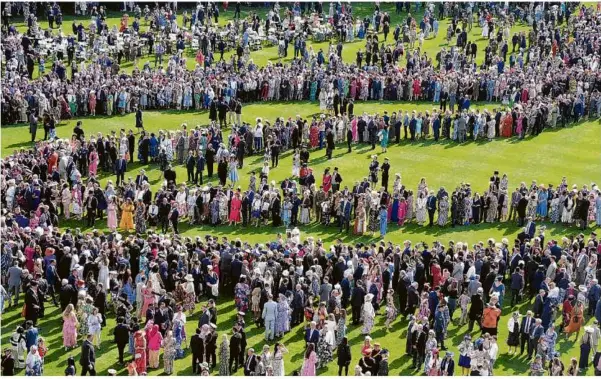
(127, 217)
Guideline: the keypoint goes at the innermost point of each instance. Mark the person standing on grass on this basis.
(87, 360)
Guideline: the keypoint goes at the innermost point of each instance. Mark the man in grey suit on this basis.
(581, 265)
(325, 291)
(14, 283)
(270, 310)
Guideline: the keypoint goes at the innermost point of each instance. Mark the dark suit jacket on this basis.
(121, 334)
(249, 365)
(196, 344)
(312, 336)
(88, 355)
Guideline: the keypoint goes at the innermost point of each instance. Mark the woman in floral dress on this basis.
(33, 363)
(278, 359)
(359, 227)
(324, 351)
(224, 356)
(341, 327)
(168, 352)
(140, 351)
(282, 321)
(530, 208)
(140, 217)
(70, 325)
(443, 211)
(241, 293)
(310, 361)
(368, 314)
(491, 215)
(179, 332)
(391, 311)
(84, 309)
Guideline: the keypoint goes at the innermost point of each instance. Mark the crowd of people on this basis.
(151, 281)
(150, 284)
(550, 77)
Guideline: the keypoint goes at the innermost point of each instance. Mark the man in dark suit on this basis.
(250, 363)
(412, 298)
(357, 299)
(121, 334)
(431, 206)
(530, 228)
(418, 342)
(521, 210)
(197, 348)
(536, 332)
(211, 346)
(32, 303)
(174, 218)
(447, 365)
(141, 178)
(131, 143)
(312, 334)
(525, 326)
(120, 168)
(87, 360)
(298, 304)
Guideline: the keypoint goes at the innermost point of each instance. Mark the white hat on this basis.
(209, 267)
(189, 278)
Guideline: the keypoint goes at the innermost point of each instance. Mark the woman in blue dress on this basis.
(286, 212)
(383, 220)
(394, 209)
(541, 208)
(313, 90)
(233, 171)
(154, 146)
(384, 139)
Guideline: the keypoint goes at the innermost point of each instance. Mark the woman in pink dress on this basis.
(70, 325)
(402, 211)
(354, 129)
(148, 298)
(111, 214)
(310, 361)
(76, 200)
(92, 103)
(93, 165)
(235, 207)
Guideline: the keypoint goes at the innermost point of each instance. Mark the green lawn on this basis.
(573, 151)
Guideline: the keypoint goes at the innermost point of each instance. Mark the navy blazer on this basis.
(312, 336)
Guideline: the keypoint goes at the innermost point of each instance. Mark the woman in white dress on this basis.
(330, 327)
(420, 209)
(323, 97)
(180, 199)
(103, 271)
(568, 209)
(296, 164)
(95, 326)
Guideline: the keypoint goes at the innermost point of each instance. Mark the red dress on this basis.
(140, 351)
(327, 182)
(314, 136)
(235, 207)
